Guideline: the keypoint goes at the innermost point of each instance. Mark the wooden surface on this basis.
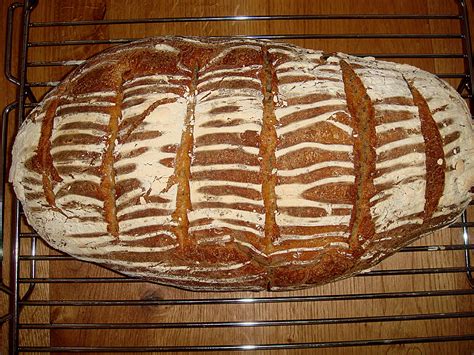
(56, 10)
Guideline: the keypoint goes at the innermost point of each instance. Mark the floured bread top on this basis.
(242, 164)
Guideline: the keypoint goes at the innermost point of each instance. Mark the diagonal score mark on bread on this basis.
(362, 112)
(43, 159)
(268, 143)
(135, 123)
(107, 182)
(435, 162)
(182, 173)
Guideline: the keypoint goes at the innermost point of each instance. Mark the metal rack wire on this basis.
(26, 292)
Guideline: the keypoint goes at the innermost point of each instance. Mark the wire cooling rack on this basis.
(422, 295)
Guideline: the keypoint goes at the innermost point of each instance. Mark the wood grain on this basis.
(8, 96)
(55, 10)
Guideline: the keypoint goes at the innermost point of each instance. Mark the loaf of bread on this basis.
(242, 164)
